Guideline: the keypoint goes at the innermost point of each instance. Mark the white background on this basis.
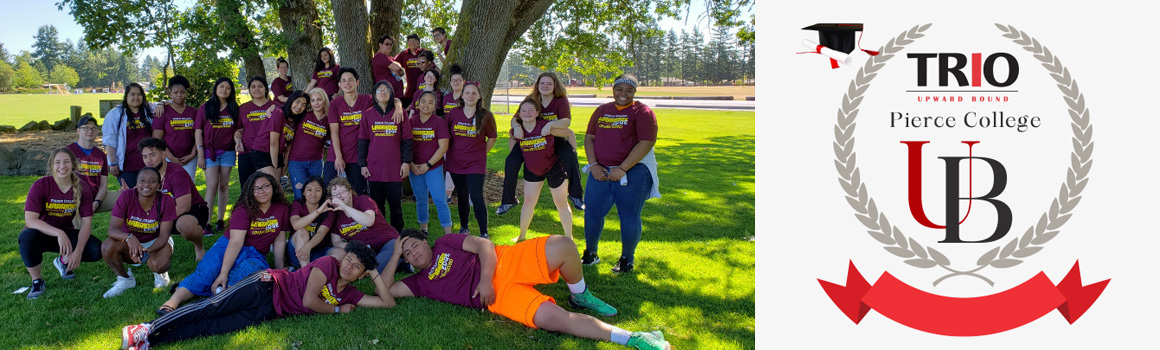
(808, 231)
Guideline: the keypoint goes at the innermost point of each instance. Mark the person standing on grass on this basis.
(389, 164)
(440, 36)
(450, 102)
(258, 224)
(541, 163)
(473, 272)
(552, 99)
(91, 167)
(430, 82)
(49, 209)
(174, 124)
(252, 125)
(357, 218)
(312, 220)
(324, 286)
(192, 210)
(325, 74)
(125, 126)
(622, 169)
(384, 67)
(278, 131)
(430, 141)
(305, 154)
(216, 139)
(473, 133)
(139, 232)
(409, 58)
(282, 84)
(345, 116)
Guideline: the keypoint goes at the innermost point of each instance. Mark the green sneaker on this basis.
(648, 341)
(588, 301)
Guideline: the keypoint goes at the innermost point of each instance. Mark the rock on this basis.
(34, 163)
(7, 128)
(61, 124)
(43, 125)
(31, 126)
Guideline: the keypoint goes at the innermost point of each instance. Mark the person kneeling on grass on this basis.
(323, 286)
(471, 271)
(139, 232)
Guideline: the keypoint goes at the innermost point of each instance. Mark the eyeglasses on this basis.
(88, 128)
(382, 91)
(422, 61)
(263, 188)
(338, 191)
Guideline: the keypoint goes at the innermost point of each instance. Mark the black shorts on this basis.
(259, 159)
(199, 212)
(555, 175)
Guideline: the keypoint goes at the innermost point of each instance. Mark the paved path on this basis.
(679, 104)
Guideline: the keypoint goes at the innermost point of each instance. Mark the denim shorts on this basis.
(228, 159)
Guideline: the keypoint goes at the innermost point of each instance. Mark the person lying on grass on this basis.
(471, 271)
(323, 286)
(139, 231)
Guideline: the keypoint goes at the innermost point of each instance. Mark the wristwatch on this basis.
(428, 164)
(337, 309)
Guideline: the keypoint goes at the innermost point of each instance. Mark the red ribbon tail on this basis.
(833, 63)
(848, 298)
(1079, 297)
(870, 52)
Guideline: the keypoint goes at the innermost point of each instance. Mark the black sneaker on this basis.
(504, 208)
(220, 227)
(590, 258)
(576, 203)
(464, 231)
(37, 289)
(485, 236)
(622, 266)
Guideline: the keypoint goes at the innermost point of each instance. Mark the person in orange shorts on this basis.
(473, 272)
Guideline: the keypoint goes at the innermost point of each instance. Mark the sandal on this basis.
(164, 309)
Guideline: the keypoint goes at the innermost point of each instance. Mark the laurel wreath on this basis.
(1003, 256)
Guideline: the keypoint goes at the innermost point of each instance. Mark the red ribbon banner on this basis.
(952, 316)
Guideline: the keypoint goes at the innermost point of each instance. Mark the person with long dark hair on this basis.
(174, 124)
(430, 141)
(282, 85)
(49, 209)
(473, 133)
(456, 79)
(216, 139)
(125, 125)
(252, 123)
(325, 74)
(306, 149)
(430, 83)
(278, 131)
(389, 164)
(259, 224)
(541, 163)
(384, 67)
(311, 218)
(139, 232)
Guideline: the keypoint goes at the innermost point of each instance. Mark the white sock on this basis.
(620, 336)
(578, 287)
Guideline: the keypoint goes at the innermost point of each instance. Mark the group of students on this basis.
(346, 155)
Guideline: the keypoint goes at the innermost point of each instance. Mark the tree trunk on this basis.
(487, 29)
(230, 13)
(350, 18)
(386, 18)
(299, 25)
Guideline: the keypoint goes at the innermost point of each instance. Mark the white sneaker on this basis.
(68, 275)
(120, 286)
(161, 280)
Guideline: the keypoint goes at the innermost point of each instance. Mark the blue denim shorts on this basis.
(228, 159)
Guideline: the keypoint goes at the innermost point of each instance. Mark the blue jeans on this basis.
(629, 201)
(302, 170)
(317, 252)
(430, 182)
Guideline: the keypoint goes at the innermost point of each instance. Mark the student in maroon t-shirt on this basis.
(125, 125)
(311, 219)
(456, 80)
(192, 212)
(430, 141)
(345, 117)
(254, 115)
(409, 58)
(440, 36)
(91, 166)
(49, 209)
(324, 286)
(430, 83)
(282, 85)
(389, 164)
(305, 155)
(620, 135)
(174, 124)
(326, 74)
(473, 134)
(139, 232)
(541, 163)
(358, 218)
(384, 67)
(277, 132)
(216, 139)
(473, 272)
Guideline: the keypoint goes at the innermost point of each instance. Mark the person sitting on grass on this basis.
(471, 271)
(192, 209)
(311, 219)
(49, 209)
(358, 218)
(323, 287)
(261, 219)
(139, 232)
(538, 145)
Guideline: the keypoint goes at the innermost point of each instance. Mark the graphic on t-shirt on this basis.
(287, 132)
(534, 144)
(224, 123)
(610, 121)
(321, 74)
(136, 124)
(423, 134)
(263, 226)
(549, 116)
(143, 225)
(442, 266)
(385, 129)
(413, 62)
(328, 295)
(312, 128)
(181, 124)
(257, 115)
(289, 86)
(463, 129)
(351, 118)
(350, 229)
(60, 207)
(88, 168)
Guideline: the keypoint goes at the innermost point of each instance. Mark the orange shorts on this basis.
(518, 268)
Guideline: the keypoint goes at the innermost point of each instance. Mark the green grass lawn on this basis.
(18, 109)
(694, 279)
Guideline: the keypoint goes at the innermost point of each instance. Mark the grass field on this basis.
(695, 275)
(738, 92)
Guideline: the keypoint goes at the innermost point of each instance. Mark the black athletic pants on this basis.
(470, 185)
(244, 304)
(245, 168)
(515, 159)
(33, 245)
(391, 194)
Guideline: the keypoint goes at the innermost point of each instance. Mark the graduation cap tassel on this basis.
(869, 52)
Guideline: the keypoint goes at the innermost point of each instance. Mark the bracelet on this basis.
(428, 163)
(337, 309)
(99, 201)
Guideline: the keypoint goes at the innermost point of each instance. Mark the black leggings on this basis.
(33, 245)
(390, 193)
(471, 184)
(245, 168)
(515, 158)
(243, 304)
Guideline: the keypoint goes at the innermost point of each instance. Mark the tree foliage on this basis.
(63, 74)
(7, 76)
(47, 47)
(26, 76)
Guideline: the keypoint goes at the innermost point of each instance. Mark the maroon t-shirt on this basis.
(56, 208)
(446, 46)
(348, 229)
(299, 209)
(177, 183)
(452, 276)
(178, 129)
(90, 168)
(145, 224)
(290, 287)
(449, 103)
(468, 152)
(327, 79)
(275, 122)
(425, 139)
(381, 69)
(309, 138)
(135, 131)
(262, 230)
(253, 123)
(348, 119)
(410, 63)
(415, 101)
(216, 136)
(617, 132)
(558, 108)
(281, 88)
(539, 151)
(386, 144)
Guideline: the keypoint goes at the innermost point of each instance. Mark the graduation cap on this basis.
(836, 41)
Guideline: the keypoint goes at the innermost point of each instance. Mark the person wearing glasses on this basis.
(92, 166)
(384, 67)
(409, 58)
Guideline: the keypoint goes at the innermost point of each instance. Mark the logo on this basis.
(987, 182)
(441, 267)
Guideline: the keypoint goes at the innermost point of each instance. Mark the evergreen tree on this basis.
(47, 48)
